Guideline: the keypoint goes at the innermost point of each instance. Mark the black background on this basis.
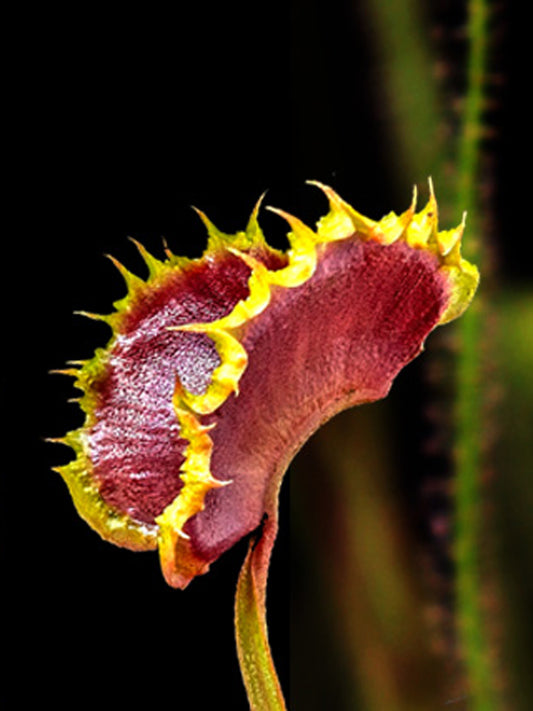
(122, 120)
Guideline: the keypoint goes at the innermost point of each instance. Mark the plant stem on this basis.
(469, 399)
(257, 668)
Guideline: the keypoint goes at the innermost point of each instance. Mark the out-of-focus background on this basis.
(124, 118)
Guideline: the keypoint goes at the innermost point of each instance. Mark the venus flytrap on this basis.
(219, 369)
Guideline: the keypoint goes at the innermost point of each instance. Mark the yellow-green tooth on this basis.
(106, 318)
(216, 238)
(175, 262)
(153, 264)
(341, 220)
(302, 254)
(422, 227)
(449, 240)
(301, 237)
(253, 229)
(71, 372)
(133, 283)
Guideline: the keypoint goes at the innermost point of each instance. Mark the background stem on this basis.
(469, 401)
